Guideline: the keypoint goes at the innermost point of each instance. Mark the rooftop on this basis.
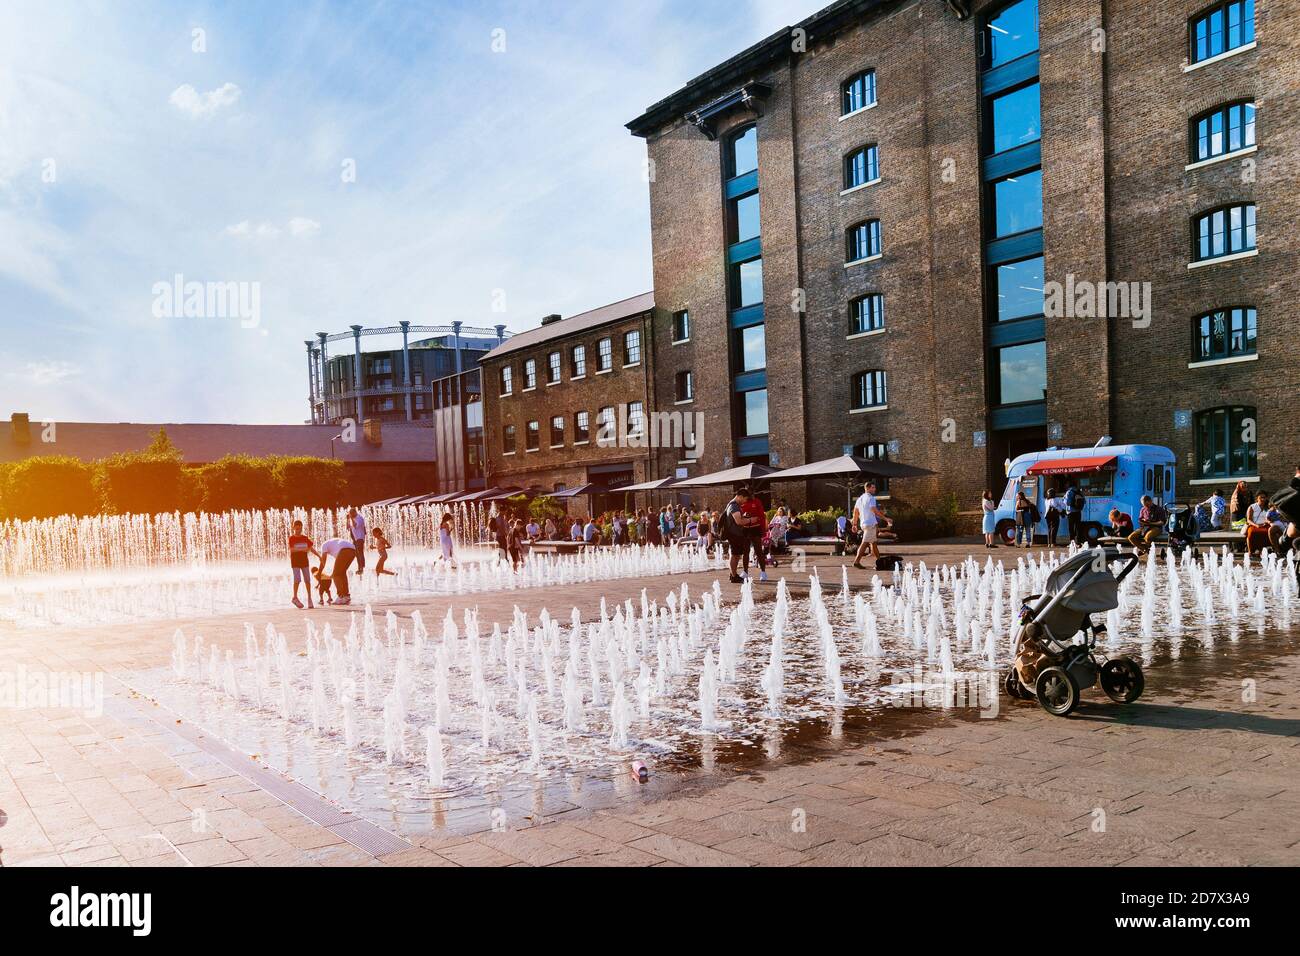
(614, 312)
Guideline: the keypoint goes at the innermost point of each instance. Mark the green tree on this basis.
(46, 487)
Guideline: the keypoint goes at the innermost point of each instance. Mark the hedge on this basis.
(47, 487)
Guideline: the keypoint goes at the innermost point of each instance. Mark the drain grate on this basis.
(360, 833)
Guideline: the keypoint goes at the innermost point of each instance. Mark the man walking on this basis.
(1074, 501)
(735, 530)
(344, 552)
(866, 522)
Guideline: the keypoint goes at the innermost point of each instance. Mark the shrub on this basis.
(46, 487)
(545, 507)
(305, 482)
(239, 483)
(143, 483)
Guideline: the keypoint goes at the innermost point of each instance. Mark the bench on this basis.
(558, 547)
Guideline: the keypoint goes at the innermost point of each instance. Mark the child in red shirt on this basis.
(300, 546)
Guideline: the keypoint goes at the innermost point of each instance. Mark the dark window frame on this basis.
(876, 320)
(1222, 9)
(554, 368)
(870, 153)
(581, 427)
(1247, 230)
(533, 436)
(530, 374)
(605, 355)
(1249, 320)
(874, 240)
(509, 440)
(868, 94)
(684, 378)
(560, 442)
(1224, 110)
(1233, 445)
(729, 146)
(682, 325)
(869, 389)
(631, 347)
(578, 361)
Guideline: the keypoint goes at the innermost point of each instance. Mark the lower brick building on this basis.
(948, 233)
(568, 404)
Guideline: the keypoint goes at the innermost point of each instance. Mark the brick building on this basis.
(887, 228)
(550, 391)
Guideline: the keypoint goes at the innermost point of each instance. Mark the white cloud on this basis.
(301, 227)
(189, 100)
(48, 373)
(249, 230)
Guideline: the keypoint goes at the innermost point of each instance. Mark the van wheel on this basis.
(1057, 691)
(1006, 531)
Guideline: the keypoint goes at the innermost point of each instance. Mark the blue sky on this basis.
(128, 157)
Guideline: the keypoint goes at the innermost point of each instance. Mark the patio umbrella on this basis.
(579, 491)
(741, 475)
(848, 466)
(659, 484)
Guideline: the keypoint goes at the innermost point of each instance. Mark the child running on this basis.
(300, 547)
(382, 546)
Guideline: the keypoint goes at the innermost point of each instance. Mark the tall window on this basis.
(864, 240)
(1224, 232)
(508, 441)
(632, 347)
(867, 314)
(533, 436)
(553, 369)
(1022, 373)
(861, 167)
(1011, 33)
(507, 379)
(604, 355)
(1227, 443)
(557, 431)
(635, 418)
(685, 387)
(742, 152)
(581, 428)
(1017, 203)
(1014, 119)
(606, 429)
(747, 284)
(681, 326)
(1221, 28)
(753, 412)
(1018, 289)
(1223, 130)
(751, 348)
(578, 361)
(875, 451)
(1223, 333)
(743, 219)
(859, 92)
(869, 390)
(530, 374)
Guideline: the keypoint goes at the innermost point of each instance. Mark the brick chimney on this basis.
(373, 429)
(551, 319)
(21, 424)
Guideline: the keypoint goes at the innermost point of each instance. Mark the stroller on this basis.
(1184, 527)
(1052, 666)
(773, 548)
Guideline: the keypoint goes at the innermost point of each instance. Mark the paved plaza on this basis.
(1205, 769)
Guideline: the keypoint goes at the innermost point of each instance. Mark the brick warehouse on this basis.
(863, 220)
(550, 389)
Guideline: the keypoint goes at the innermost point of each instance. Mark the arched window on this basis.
(1223, 333)
(869, 390)
(864, 240)
(1223, 130)
(867, 314)
(875, 451)
(1225, 231)
(861, 166)
(1226, 442)
(858, 92)
(1222, 28)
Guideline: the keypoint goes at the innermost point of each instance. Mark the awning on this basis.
(743, 475)
(1072, 466)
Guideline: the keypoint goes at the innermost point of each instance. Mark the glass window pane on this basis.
(1013, 32)
(752, 346)
(1022, 373)
(748, 284)
(1019, 289)
(744, 152)
(745, 218)
(1018, 203)
(1016, 119)
(755, 412)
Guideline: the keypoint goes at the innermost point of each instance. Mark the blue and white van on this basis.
(1111, 476)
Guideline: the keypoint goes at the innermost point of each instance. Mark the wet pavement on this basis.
(1204, 769)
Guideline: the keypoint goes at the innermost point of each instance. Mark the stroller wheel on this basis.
(1057, 691)
(1011, 684)
(1122, 680)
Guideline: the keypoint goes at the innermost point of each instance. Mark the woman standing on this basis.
(1240, 504)
(990, 521)
(445, 539)
(1024, 520)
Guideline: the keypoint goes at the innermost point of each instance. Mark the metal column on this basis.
(356, 372)
(406, 368)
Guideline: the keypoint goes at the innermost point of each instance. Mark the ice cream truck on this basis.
(1110, 476)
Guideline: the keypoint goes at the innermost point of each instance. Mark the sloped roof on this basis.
(200, 444)
(614, 312)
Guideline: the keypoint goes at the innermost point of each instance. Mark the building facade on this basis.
(948, 233)
(567, 404)
(458, 432)
(394, 384)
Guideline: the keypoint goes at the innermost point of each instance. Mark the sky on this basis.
(325, 164)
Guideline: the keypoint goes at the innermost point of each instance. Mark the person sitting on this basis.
(534, 530)
(575, 532)
(778, 527)
(1121, 525)
(1151, 521)
(1217, 508)
(1258, 525)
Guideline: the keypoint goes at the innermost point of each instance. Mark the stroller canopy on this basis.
(1095, 591)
